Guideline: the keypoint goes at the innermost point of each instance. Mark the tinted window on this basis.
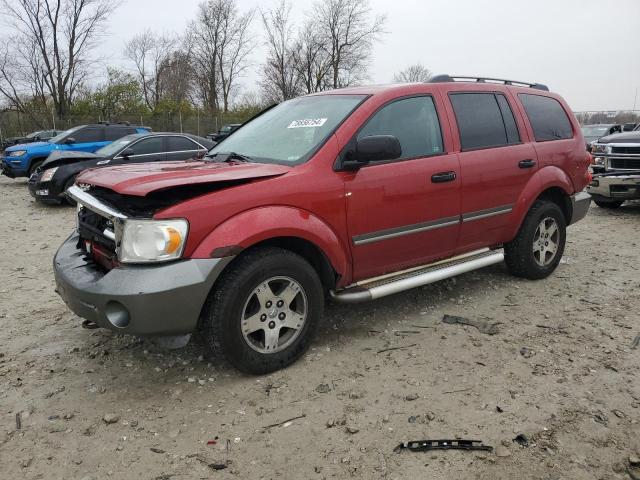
(114, 133)
(548, 119)
(484, 120)
(413, 121)
(180, 144)
(148, 145)
(513, 136)
(88, 135)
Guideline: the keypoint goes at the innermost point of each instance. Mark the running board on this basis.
(378, 287)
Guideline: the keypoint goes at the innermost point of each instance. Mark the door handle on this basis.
(526, 163)
(442, 177)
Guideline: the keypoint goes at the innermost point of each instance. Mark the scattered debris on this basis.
(323, 388)
(522, 439)
(396, 348)
(499, 409)
(156, 450)
(352, 430)
(110, 418)
(284, 422)
(428, 445)
(18, 421)
(527, 352)
(411, 397)
(636, 342)
(458, 391)
(483, 326)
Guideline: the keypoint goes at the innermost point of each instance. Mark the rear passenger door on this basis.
(183, 148)
(405, 212)
(495, 164)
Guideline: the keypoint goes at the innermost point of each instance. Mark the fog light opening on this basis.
(117, 314)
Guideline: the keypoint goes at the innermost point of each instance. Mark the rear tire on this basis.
(249, 311)
(610, 204)
(538, 247)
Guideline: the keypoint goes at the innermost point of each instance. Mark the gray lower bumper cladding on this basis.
(163, 299)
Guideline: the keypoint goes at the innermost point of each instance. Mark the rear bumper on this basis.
(580, 203)
(163, 299)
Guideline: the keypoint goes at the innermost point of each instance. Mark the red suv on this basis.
(359, 193)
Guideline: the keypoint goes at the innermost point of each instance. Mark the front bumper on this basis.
(10, 170)
(164, 299)
(45, 192)
(615, 187)
(580, 203)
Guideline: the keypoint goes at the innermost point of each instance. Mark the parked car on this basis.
(224, 132)
(49, 182)
(23, 159)
(593, 132)
(361, 192)
(39, 136)
(617, 169)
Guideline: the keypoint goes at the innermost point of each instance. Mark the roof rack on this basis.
(459, 78)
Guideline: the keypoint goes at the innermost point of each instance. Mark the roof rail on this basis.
(124, 123)
(103, 122)
(459, 78)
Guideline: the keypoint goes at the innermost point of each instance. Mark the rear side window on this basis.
(148, 146)
(547, 117)
(114, 133)
(181, 144)
(484, 120)
(413, 121)
(88, 135)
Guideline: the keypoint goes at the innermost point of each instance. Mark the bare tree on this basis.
(349, 30)
(311, 59)
(62, 34)
(413, 73)
(280, 77)
(220, 43)
(149, 51)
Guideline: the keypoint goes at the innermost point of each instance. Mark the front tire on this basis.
(264, 310)
(610, 204)
(538, 247)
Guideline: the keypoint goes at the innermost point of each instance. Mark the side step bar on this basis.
(378, 287)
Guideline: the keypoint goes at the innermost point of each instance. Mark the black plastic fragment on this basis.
(429, 445)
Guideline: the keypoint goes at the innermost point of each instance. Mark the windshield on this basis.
(113, 147)
(592, 131)
(34, 134)
(58, 138)
(290, 132)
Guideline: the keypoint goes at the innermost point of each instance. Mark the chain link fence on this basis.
(13, 123)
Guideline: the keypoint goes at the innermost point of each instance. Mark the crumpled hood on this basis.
(141, 179)
(625, 137)
(61, 157)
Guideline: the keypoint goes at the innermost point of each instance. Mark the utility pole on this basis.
(635, 99)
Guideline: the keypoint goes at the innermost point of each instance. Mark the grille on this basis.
(626, 150)
(91, 227)
(625, 163)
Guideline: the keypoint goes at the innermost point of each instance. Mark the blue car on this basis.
(22, 160)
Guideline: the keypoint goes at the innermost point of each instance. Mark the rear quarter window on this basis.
(547, 117)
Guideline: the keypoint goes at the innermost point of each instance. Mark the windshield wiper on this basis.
(228, 156)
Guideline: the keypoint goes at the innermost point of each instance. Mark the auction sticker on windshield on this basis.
(307, 123)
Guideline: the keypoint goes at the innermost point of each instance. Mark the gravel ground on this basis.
(561, 371)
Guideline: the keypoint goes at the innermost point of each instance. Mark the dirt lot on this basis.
(561, 371)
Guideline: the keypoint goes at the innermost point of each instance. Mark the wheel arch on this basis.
(549, 183)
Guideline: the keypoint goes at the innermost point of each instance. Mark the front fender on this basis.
(545, 178)
(263, 223)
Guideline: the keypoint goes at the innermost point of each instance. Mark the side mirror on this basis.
(127, 152)
(70, 140)
(374, 148)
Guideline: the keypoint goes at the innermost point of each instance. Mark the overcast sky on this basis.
(586, 50)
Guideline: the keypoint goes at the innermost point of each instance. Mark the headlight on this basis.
(48, 174)
(599, 148)
(145, 241)
(17, 153)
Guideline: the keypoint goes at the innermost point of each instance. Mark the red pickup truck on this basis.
(356, 193)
